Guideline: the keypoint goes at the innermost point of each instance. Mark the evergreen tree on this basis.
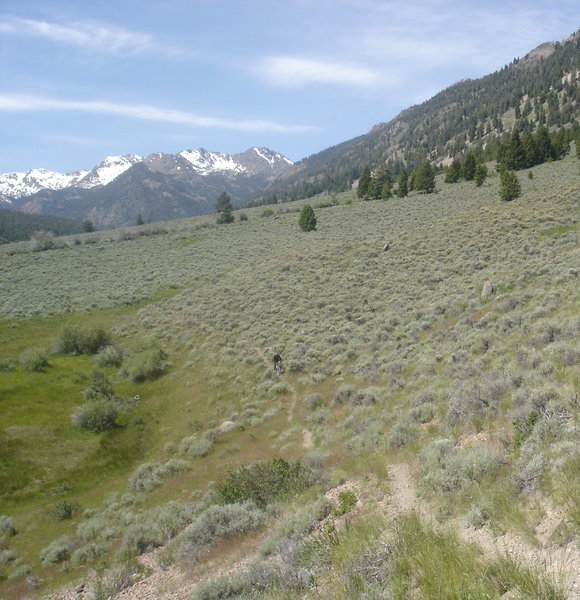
(224, 210)
(480, 174)
(307, 219)
(469, 166)
(509, 188)
(453, 173)
(139, 220)
(544, 144)
(424, 180)
(531, 150)
(403, 188)
(515, 157)
(381, 184)
(88, 226)
(364, 183)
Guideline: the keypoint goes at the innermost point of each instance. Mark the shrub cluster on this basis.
(262, 482)
(82, 339)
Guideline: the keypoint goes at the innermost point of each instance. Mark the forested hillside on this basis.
(16, 226)
(476, 115)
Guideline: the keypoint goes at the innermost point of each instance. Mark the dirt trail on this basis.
(562, 561)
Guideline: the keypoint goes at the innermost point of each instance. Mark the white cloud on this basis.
(15, 102)
(89, 36)
(293, 71)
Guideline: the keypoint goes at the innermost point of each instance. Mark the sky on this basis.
(82, 80)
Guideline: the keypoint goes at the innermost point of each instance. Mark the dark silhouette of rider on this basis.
(277, 360)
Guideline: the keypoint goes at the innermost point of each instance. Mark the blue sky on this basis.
(82, 80)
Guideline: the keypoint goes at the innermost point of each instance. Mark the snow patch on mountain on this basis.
(270, 157)
(205, 162)
(108, 169)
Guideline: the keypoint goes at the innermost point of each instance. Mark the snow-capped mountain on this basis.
(253, 161)
(158, 187)
(19, 185)
(107, 170)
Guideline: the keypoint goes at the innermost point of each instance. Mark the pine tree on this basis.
(469, 166)
(88, 226)
(307, 219)
(509, 188)
(364, 183)
(139, 220)
(381, 184)
(453, 173)
(515, 157)
(403, 188)
(424, 180)
(224, 210)
(480, 174)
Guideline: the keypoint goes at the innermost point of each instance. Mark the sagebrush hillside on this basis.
(421, 443)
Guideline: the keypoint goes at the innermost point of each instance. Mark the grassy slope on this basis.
(409, 323)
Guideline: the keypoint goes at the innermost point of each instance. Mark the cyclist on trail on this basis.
(277, 360)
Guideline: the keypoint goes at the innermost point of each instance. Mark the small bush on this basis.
(367, 397)
(82, 340)
(109, 356)
(65, 510)
(7, 526)
(149, 475)
(97, 415)
(344, 393)
(225, 587)
(218, 522)
(346, 502)
(262, 482)
(296, 524)
(116, 580)
(147, 364)
(312, 401)
(58, 551)
(195, 446)
(34, 360)
(101, 388)
(446, 468)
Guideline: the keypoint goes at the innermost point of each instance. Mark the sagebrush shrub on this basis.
(195, 446)
(218, 522)
(34, 360)
(146, 364)
(7, 526)
(109, 356)
(58, 551)
(446, 468)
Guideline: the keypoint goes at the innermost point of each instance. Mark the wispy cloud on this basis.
(89, 36)
(293, 71)
(21, 103)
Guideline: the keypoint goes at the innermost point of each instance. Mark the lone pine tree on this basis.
(223, 208)
(307, 219)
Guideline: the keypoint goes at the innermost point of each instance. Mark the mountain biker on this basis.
(277, 360)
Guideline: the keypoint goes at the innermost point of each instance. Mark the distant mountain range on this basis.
(157, 187)
(542, 88)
